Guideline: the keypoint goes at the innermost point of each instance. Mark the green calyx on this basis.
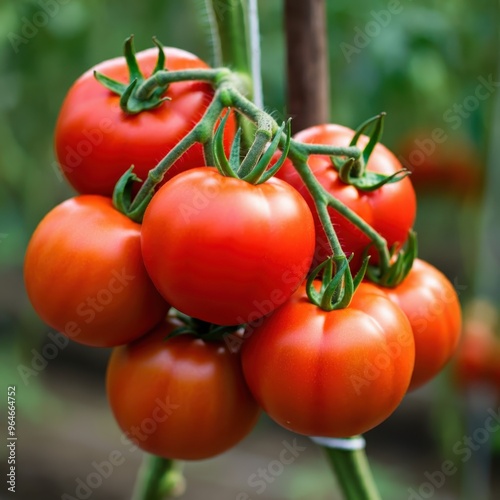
(400, 266)
(254, 168)
(353, 171)
(208, 332)
(337, 283)
(122, 196)
(133, 97)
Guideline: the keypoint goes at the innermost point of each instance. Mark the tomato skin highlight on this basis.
(223, 250)
(85, 276)
(390, 210)
(331, 374)
(191, 393)
(96, 142)
(432, 306)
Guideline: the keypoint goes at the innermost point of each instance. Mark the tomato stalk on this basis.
(230, 89)
(230, 20)
(202, 133)
(232, 31)
(158, 478)
(353, 472)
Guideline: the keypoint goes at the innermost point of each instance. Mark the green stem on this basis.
(232, 29)
(318, 194)
(353, 473)
(262, 137)
(299, 153)
(158, 479)
(162, 78)
(378, 241)
(228, 94)
(323, 199)
(200, 133)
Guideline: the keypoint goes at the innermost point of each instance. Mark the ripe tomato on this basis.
(181, 398)
(85, 276)
(448, 165)
(96, 142)
(390, 210)
(431, 304)
(478, 357)
(226, 251)
(331, 374)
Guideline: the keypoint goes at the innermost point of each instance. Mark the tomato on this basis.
(223, 250)
(431, 304)
(390, 210)
(450, 165)
(96, 142)
(85, 276)
(331, 374)
(478, 357)
(181, 398)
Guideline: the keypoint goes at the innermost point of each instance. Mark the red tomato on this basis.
(390, 210)
(96, 142)
(181, 398)
(478, 357)
(451, 165)
(331, 374)
(85, 276)
(431, 304)
(226, 251)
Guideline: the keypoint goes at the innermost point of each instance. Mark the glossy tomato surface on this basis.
(431, 304)
(96, 142)
(181, 398)
(390, 210)
(85, 276)
(331, 374)
(223, 250)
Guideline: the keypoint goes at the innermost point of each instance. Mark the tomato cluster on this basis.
(219, 262)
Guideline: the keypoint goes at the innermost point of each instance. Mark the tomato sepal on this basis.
(133, 99)
(353, 171)
(209, 332)
(399, 268)
(122, 196)
(254, 168)
(368, 181)
(337, 283)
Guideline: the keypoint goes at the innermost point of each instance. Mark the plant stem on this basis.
(353, 473)
(228, 94)
(158, 478)
(299, 153)
(318, 194)
(200, 133)
(230, 17)
(232, 28)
